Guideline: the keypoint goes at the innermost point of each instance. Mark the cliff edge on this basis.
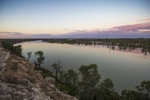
(18, 81)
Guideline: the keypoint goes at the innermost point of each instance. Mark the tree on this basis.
(89, 80)
(40, 58)
(142, 92)
(17, 50)
(71, 77)
(61, 76)
(29, 55)
(131, 95)
(57, 66)
(105, 91)
(7, 45)
(14, 49)
(145, 51)
(144, 89)
(107, 84)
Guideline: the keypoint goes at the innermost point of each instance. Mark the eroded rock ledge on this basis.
(18, 81)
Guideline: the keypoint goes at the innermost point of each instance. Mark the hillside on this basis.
(18, 81)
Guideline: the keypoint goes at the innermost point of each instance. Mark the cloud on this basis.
(80, 31)
(21, 35)
(107, 34)
(16, 33)
(133, 28)
(40, 36)
(146, 19)
(141, 30)
(87, 34)
(11, 33)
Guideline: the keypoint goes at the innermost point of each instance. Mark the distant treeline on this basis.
(14, 41)
(121, 43)
(137, 42)
(140, 42)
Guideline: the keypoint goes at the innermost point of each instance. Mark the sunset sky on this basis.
(74, 18)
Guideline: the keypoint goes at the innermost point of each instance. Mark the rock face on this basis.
(18, 81)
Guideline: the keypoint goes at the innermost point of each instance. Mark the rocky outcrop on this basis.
(4, 54)
(18, 81)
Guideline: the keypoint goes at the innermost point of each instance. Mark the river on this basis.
(126, 69)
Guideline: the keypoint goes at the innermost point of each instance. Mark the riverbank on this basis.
(19, 81)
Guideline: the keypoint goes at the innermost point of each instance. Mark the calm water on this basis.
(126, 69)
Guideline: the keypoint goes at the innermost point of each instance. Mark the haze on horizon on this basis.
(74, 18)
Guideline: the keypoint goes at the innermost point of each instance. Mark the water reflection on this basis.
(120, 65)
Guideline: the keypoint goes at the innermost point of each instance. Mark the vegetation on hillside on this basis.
(14, 49)
(86, 84)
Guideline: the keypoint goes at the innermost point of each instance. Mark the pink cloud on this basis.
(10, 35)
(134, 27)
(146, 19)
(141, 30)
